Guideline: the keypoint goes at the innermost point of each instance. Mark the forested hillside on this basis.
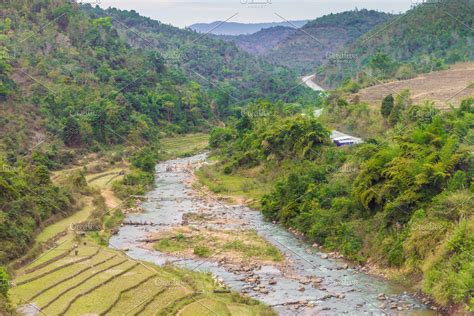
(234, 28)
(430, 36)
(261, 42)
(316, 41)
(236, 76)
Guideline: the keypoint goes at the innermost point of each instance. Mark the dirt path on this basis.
(309, 81)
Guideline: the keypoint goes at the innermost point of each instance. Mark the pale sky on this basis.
(186, 12)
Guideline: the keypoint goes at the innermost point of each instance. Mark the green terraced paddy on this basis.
(99, 281)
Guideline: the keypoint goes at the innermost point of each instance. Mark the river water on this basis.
(340, 289)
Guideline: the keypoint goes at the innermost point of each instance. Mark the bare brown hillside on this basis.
(445, 88)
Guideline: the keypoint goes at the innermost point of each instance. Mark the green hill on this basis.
(211, 62)
(312, 45)
(428, 37)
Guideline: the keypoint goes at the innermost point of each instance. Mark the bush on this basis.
(220, 135)
(387, 105)
(449, 273)
(202, 251)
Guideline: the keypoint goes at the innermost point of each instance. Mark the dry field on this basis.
(445, 88)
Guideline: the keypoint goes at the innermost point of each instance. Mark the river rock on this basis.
(301, 288)
(272, 281)
(381, 297)
(305, 281)
(317, 282)
(324, 256)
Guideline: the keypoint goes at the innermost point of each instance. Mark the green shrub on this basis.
(202, 251)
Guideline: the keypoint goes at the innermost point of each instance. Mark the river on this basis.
(339, 289)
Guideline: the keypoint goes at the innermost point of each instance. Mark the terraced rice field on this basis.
(444, 88)
(184, 145)
(81, 278)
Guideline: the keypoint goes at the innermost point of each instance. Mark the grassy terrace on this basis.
(184, 145)
(99, 280)
(80, 277)
(244, 187)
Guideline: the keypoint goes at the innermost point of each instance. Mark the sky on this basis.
(183, 13)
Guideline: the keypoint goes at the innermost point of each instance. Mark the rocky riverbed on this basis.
(306, 281)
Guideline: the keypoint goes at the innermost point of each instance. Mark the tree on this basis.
(72, 133)
(41, 175)
(4, 281)
(387, 105)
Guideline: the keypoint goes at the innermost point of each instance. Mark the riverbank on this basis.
(308, 281)
(227, 192)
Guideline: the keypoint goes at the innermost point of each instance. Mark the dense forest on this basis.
(401, 200)
(236, 76)
(430, 36)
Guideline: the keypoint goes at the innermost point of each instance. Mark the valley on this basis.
(283, 161)
(302, 279)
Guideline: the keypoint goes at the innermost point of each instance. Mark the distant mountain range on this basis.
(234, 28)
(263, 41)
(310, 46)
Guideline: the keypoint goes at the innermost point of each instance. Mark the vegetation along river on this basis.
(306, 282)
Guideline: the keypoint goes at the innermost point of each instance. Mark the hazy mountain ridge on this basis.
(262, 41)
(310, 46)
(235, 28)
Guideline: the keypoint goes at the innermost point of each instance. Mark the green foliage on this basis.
(449, 273)
(27, 200)
(237, 77)
(387, 106)
(145, 160)
(72, 132)
(403, 198)
(220, 135)
(202, 251)
(400, 48)
(4, 282)
(402, 101)
(335, 30)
